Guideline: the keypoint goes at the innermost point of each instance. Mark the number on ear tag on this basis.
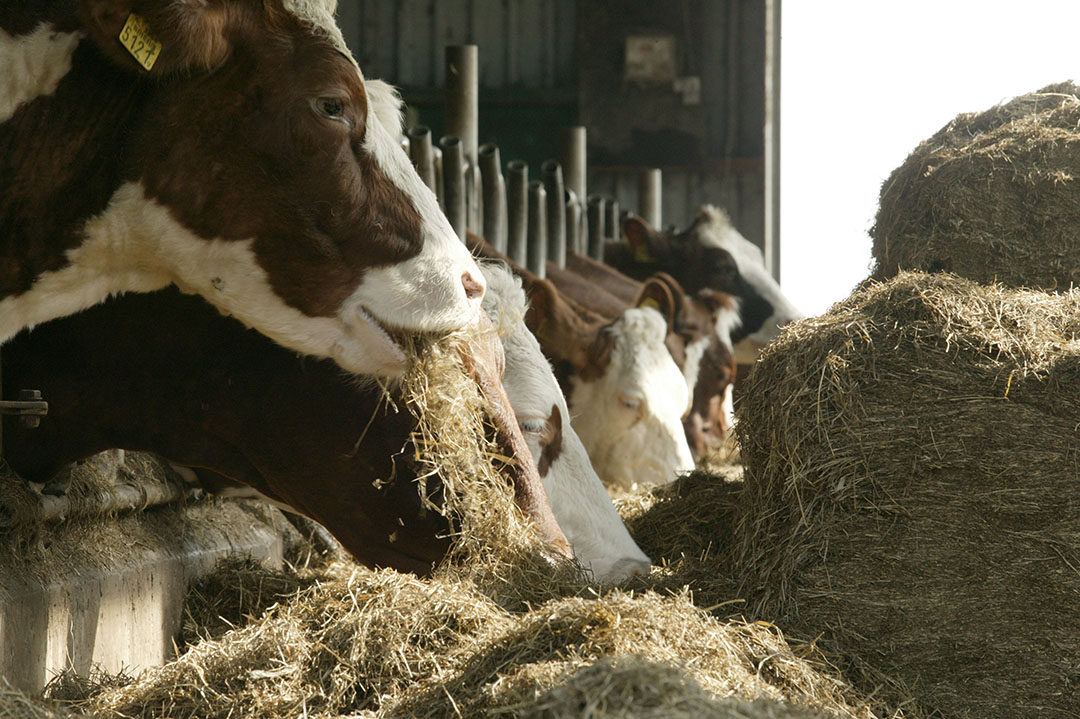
(136, 38)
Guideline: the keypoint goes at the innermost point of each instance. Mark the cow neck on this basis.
(62, 157)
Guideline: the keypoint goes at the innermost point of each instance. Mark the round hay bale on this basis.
(911, 492)
(993, 196)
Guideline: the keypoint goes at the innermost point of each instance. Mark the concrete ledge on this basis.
(109, 592)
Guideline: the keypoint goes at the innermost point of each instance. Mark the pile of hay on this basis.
(993, 196)
(911, 492)
(499, 630)
(343, 640)
(380, 643)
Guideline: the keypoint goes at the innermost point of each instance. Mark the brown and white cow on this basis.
(246, 163)
(699, 337)
(164, 372)
(625, 392)
(711, 255)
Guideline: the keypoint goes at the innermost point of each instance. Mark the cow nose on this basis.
(474, 289)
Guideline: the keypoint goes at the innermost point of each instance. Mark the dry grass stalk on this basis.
(910, 492)
(993, 196)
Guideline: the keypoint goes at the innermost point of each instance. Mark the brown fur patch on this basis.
(551, 440)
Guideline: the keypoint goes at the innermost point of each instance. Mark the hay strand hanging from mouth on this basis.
(494, 544)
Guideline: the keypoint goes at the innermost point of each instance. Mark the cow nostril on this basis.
(473, 289)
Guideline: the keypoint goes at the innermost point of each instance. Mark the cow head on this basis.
(262, 175)
(578, 499)
(712, 255)
(626, 393)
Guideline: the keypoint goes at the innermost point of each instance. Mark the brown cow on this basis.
(164, 372)
(228, 147)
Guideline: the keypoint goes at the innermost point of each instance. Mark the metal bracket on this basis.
(30, 408)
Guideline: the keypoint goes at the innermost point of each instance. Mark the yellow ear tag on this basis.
(136, 37)
(650, 303)
(641, 253)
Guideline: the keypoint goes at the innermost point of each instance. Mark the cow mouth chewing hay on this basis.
(447, 386)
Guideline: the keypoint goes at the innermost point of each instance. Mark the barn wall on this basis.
(549, 63)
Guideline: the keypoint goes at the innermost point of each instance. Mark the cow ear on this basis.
(161, 36)
(655, 294)
(647, 245)
(542, 299)
(563, 335)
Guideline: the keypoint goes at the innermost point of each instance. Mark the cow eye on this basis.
(331, 107)
(533, 426)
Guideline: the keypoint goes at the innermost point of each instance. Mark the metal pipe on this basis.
(494, 197)
(573, 155)
(454, 183)
(614, 222)
(517, 205)
(107, 500)
(538, 231)
(463, 118)
(597, 233)
(422, 154)
(649, 196)
(573, 220)
(440, 187)
(551, 173)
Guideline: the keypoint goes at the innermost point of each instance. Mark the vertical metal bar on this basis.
(572, 213)
(597, 215)
(440, 186)
(463, 119)
(423, 158)
(772, 137)
(572, 154)
(494, 197)
(649, 194)
(538, 231)
(454, 183)
(517, 205)
(551, 173)
(613, 223)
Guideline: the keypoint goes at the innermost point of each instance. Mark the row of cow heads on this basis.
(707, 257)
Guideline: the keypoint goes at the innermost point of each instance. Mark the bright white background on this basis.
(863, 82)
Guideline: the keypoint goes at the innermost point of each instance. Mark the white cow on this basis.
(630, 417)
(578, 499)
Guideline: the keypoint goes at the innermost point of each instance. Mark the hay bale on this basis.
(911, 484)
(993, 196)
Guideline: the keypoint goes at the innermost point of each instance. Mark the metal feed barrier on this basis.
(531, 222)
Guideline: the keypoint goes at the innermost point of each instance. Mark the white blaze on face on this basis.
(630, 419)
(32, 65)
(424, 293)
(716, 230)
(581, 505)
